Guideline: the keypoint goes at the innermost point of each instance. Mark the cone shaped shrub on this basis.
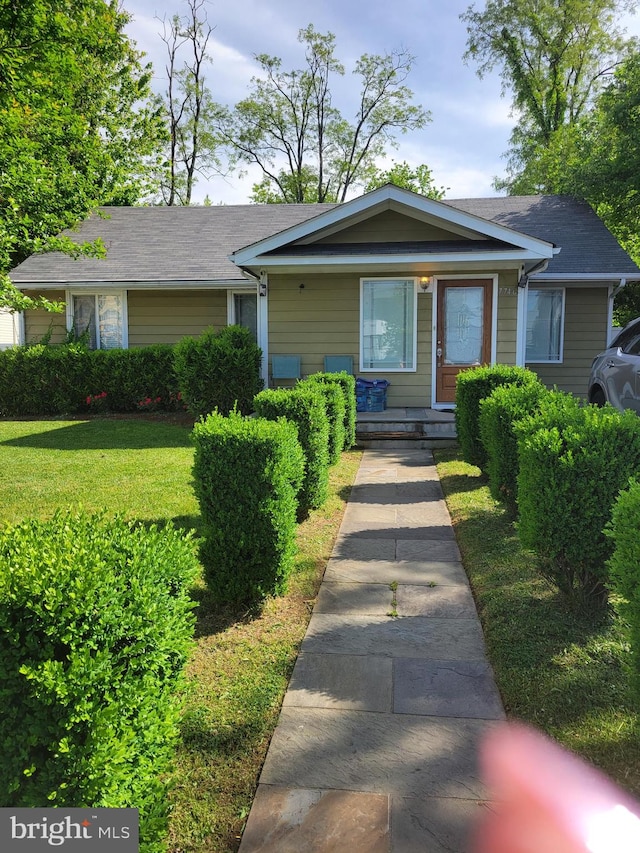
(247, 472)
(95, 625)
(472, 386)
(304, 406)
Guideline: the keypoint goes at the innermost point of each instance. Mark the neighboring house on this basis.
(413, 289)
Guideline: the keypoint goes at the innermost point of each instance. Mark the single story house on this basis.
(411, 289)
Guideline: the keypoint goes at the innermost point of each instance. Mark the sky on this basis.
(465, 141)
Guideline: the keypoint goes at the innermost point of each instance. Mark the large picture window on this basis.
(545, 325)
(388, 325)
(101, 317)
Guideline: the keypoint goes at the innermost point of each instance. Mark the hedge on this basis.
(95, 625)
(570, 474)
(335, 405)
(347, 385)
(499, 413)
(305, 406)
(624, 570)
(472, 386)
(219, 370)
(54, 380)
(247, 473)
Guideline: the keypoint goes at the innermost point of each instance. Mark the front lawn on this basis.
(559, 672)
(240, 667)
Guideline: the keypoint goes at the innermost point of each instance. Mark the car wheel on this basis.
(597, 397)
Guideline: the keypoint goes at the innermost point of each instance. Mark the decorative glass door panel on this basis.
(464, 332)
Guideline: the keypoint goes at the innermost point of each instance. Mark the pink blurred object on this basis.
(549, 801)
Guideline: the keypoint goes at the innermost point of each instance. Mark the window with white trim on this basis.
(545, 325)
(101, 317)
(388, 328)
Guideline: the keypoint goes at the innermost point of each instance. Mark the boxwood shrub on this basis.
(336, 411)
(304, 406)
(570, 474)
(95, 625)
(624, 570)
(347, 385)
(219, 370)
(247, 474)
(499, 413)
(472, 386)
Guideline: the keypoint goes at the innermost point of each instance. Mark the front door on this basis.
(463, 331)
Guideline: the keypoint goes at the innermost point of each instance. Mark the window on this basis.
(545, 325)
(388, 324)
(101, 317)
(242, 310)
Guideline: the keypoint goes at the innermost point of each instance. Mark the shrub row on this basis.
(95, 625)
(215, 370)
(558, 464)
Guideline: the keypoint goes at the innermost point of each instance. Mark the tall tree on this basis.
(290, 127)
(418, 179)
(77, 125)
(553, 57)
(192, 112)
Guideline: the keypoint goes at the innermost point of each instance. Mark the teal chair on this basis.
(338, 364)
(285, 367)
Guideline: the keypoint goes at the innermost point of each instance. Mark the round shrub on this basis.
(570, 474)
(95, 625)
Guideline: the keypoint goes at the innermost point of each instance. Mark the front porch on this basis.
(399, 427)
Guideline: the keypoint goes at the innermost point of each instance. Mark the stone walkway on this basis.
(375, 749)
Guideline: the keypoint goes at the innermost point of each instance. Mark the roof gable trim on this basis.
(370, 204)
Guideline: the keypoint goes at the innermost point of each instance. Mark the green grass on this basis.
(241, 664)
(139, 468)
(562, 672)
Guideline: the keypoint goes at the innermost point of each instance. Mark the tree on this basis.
(418, 179)
(553, 56)
(290, 127)
(191, 111)
(77, 125)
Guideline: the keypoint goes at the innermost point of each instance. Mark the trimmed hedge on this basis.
(347, 385)
(55, 380)
(570, 474)
(303, 405)
(95, 626)
(624, 570)
(247, 474)
(499, 412)
(219, 371)
(472, 386)
(334, 402)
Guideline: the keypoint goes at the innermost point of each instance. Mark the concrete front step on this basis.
(405, 428)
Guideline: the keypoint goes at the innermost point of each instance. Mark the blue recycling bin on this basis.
(371, 395)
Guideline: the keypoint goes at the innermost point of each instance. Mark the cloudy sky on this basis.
(471, 123)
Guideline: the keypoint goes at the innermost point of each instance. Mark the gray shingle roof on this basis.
(193, 243)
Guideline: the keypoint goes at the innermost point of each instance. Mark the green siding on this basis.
(164, 317)
(38, 323)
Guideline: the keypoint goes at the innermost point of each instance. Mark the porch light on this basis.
(426, 283)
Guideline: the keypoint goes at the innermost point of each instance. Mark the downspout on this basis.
(262, 317)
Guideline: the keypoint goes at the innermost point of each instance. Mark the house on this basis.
(413, 289)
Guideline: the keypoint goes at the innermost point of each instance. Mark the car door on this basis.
(621, 373)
